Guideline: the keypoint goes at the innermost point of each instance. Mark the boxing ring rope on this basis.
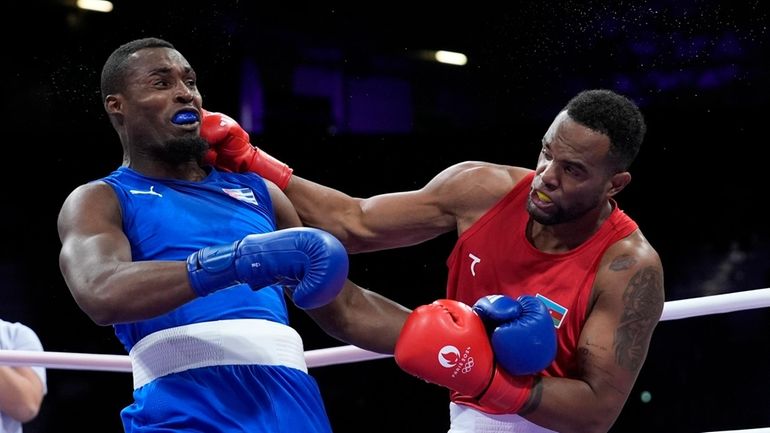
(672, 310)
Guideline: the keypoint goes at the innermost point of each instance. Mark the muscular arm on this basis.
(375, 223)
(356, 316)
(458, 194)
(362, 318)
(450, 201)
(628, 302)
(95, 260)
(21, 393)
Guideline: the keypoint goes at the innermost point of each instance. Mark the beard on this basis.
(561, 215)
(180, 150)
(545, 219)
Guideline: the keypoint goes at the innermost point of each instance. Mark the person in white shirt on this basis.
(21, 388)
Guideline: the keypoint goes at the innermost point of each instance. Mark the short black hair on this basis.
(113, 72)
(613, 115)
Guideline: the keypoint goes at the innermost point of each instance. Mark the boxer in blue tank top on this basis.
(192, 267)
(242, 201)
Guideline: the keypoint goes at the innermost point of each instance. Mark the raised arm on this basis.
(627, 303)
(95, 260)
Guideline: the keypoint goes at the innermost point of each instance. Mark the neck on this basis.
(189, 171)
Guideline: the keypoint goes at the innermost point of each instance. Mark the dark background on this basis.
(345, 97)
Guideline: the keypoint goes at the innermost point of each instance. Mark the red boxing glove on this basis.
(445, 343)
(230, 149)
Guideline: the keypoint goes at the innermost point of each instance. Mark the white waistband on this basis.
(223, 342)
(465, 419)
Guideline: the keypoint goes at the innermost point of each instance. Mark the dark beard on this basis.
(180, 150)
(545, 220)
(561, 216)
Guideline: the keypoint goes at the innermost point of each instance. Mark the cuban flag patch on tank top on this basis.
(242, 194)
(557, 312)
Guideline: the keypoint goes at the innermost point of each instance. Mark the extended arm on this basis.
(356, 316)
(613, 345)
(450, 201)
(375, 223)
(362, 318)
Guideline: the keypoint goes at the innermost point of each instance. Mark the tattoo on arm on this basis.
(642, 300)
(622, 262)
(587, 362)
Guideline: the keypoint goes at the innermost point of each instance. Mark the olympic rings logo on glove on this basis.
(468, 366)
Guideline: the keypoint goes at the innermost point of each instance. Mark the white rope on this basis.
(122, 363)
(340, 355)
(66, 360)
(716, 304)
(672, 310)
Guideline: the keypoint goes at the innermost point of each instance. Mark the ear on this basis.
(618, 181)
(113, 104)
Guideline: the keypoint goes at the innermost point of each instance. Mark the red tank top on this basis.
(494, 257)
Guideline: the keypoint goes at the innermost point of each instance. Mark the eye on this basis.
(573, 171)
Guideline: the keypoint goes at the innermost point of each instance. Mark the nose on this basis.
(184, 93)
(549, 176)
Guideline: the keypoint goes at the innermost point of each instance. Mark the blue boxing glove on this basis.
(311, 262)
(522, 332)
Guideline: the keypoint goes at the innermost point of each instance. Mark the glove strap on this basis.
(211, 269)
(507, 393)
(270, 168)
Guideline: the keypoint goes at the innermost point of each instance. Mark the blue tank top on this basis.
(169, 219)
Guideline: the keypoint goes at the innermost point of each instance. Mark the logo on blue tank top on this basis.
(242, 194)
(151, 191)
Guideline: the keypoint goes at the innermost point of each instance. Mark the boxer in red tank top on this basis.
(555, 232)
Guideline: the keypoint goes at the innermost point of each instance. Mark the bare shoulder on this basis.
(469, 189)
(631, 270)
(88, 201)
(477, 180)
(86, 194)
(632, 252)
(486, 172)
(285, 214)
